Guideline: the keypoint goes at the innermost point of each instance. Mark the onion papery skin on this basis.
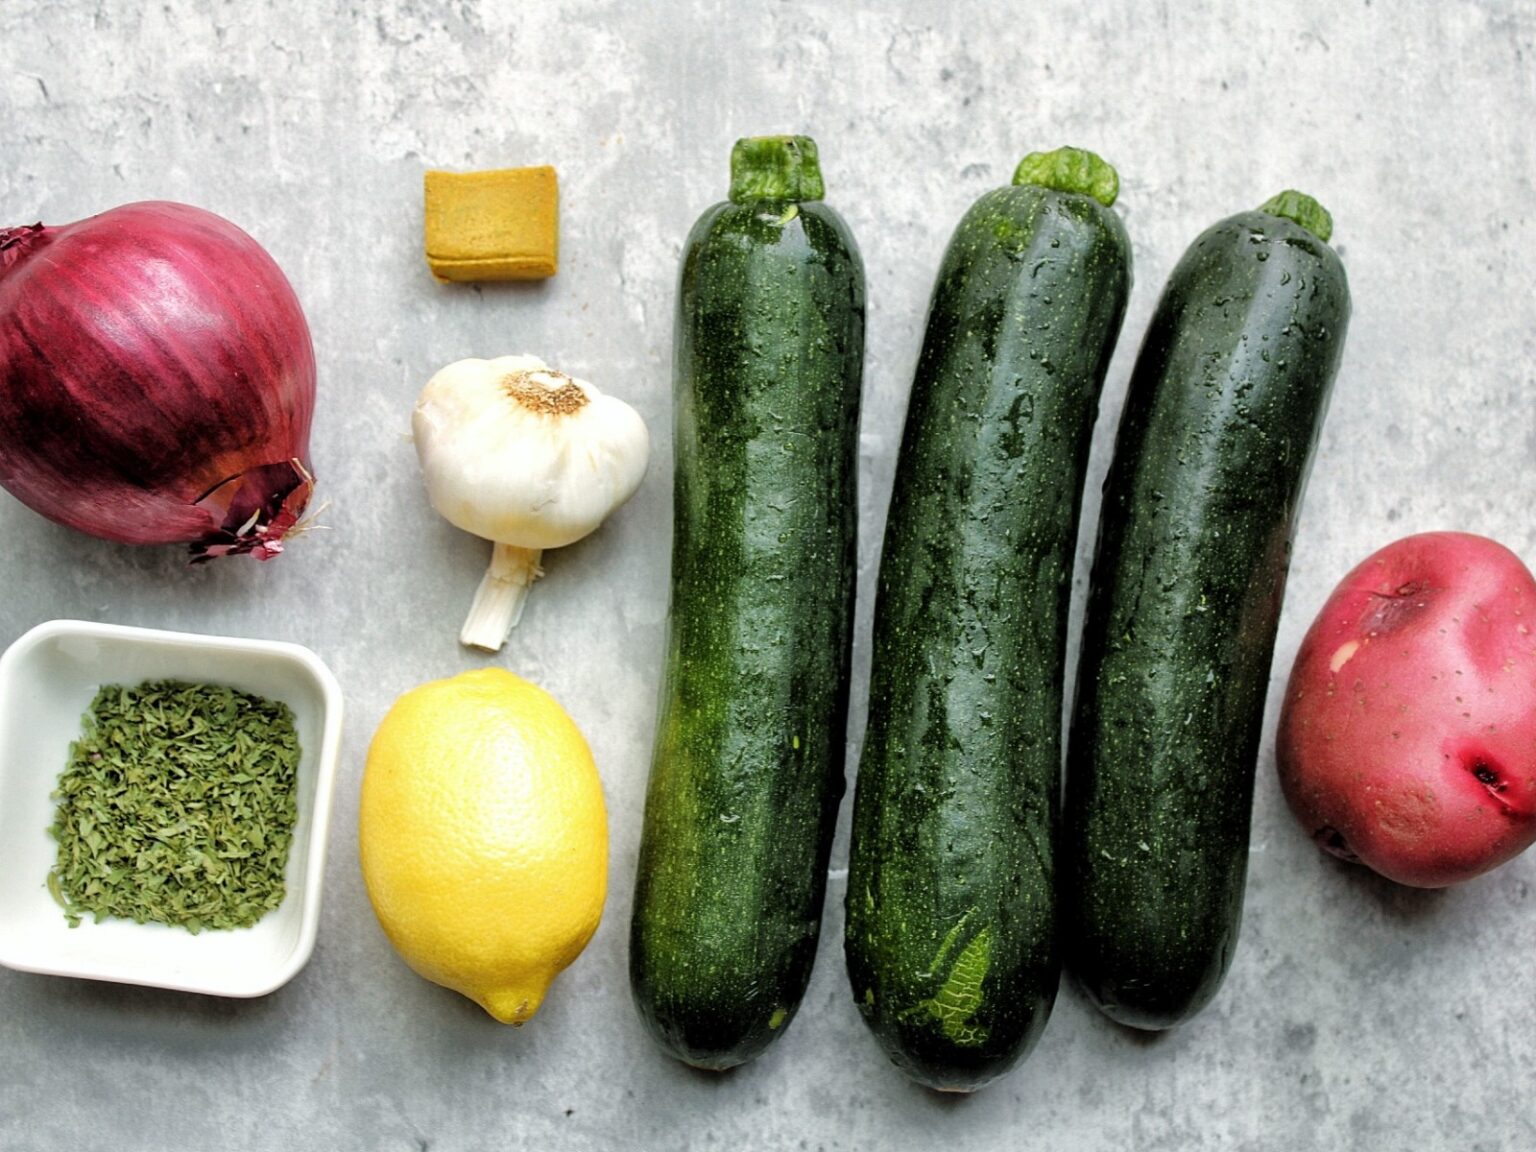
(157, 380)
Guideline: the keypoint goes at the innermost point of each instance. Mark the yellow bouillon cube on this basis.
(497, 225)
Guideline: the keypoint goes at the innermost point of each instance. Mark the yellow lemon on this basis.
(483, 837)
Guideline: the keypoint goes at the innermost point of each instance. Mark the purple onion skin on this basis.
(157, 380)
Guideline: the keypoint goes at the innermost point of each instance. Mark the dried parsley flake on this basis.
(177, 806)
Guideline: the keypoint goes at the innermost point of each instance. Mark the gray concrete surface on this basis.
(1357, 1015)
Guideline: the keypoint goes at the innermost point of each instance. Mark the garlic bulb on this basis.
(528, 458)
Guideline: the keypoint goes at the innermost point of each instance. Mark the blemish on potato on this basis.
(1342, 654)
(1485, 773)
(1332, 841)
(1390, 611)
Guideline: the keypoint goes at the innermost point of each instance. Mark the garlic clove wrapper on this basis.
(527, 457)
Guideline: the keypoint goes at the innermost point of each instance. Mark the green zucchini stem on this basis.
(775, 168)
(1071, 170)
(1299, 208)
(499, 600)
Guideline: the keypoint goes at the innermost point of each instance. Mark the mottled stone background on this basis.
(1357, 1015)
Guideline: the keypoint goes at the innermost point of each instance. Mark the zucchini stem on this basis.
(499, 600)
(1071, 170)
(1299, 208)
(775, 168)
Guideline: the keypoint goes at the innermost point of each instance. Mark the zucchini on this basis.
(1200, 506)
(951, 941)
(747, 769)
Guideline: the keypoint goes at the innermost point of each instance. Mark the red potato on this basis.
(1408, 734)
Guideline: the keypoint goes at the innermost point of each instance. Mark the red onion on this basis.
(157, 381)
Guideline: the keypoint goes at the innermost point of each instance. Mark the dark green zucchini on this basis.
(951, 928)
(748, 762)
(1200, 507)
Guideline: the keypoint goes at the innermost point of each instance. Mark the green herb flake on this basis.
(177, 807)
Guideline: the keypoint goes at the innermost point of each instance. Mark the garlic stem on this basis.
(499, 600)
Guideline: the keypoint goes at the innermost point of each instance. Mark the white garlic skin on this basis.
(522, 455)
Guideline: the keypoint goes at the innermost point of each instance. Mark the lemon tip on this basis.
(514, 1008)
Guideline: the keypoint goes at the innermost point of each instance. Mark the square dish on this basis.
(48, 678)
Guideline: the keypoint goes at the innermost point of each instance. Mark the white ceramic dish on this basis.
(48, 678)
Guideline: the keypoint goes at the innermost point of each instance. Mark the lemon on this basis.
(483, 837)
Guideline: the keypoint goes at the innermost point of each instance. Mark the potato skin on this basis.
(1408, 734)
